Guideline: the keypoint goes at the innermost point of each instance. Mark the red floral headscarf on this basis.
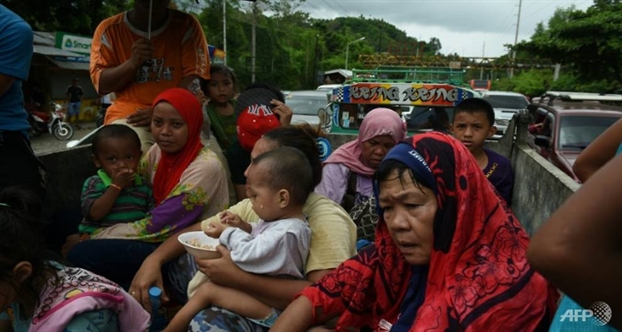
(479, 278)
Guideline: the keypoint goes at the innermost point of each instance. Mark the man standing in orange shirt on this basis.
(137, 64)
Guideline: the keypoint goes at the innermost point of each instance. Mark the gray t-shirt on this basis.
(277, 248)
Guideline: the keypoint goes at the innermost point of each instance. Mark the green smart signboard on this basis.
(73, 43)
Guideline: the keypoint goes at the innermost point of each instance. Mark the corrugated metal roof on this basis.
(53, 51)
(70, 65)
(342, 72)
(44, 43)
(44, 38)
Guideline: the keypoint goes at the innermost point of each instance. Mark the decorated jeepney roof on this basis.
(420, 94)
(409, 75)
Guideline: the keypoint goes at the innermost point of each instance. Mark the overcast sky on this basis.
(463, 26)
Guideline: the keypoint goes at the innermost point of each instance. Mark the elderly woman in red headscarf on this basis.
(346, 177)
(189, 184)
(447, 256)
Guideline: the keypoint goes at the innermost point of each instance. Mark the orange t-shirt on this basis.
(180, 50)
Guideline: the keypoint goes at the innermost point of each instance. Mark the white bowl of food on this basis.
(199, 245)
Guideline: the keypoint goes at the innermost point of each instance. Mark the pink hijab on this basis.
(378, 122)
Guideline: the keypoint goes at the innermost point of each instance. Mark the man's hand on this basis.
(123, 178)
(221, 271)
(140, 118)
(283, 111)
(148, 275)
(142, 51)
(117, 79)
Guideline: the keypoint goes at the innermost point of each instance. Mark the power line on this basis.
(532, 3)
(508, 24)
(310, 4)
(531, 16)
(341, 12)
(331, 7)
(340, 6)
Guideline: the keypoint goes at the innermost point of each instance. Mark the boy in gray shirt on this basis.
(278, 185)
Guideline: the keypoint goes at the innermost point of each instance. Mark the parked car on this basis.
(563, 126)
(305, 104)
(505, 104)
(328, 87)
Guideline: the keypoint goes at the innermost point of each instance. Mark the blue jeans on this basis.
(74, 108)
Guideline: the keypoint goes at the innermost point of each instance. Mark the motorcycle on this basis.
(53, 122)
(101, 115)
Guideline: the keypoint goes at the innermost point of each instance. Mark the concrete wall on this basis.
(539, 187)
(67, 171)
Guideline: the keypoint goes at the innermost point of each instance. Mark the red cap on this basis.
(254, 121)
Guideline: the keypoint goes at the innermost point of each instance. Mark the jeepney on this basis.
(424, 98)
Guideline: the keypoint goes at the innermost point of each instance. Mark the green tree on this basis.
(434, 46)
(589, 42)
(533, 82)
(75, 16)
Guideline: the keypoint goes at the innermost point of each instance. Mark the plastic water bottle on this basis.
(155, 293)
(158, 315)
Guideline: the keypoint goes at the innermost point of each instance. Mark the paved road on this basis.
(48, 143)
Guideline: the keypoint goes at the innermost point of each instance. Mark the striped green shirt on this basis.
(133, 203)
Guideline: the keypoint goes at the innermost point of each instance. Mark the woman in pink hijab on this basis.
(347, 173)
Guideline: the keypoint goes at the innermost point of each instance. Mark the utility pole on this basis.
(520, 4)
(253, 42)
(307, 63)
(481, 70)
(556, 72)
(224, 28)
(348, 49)
(315, 59)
